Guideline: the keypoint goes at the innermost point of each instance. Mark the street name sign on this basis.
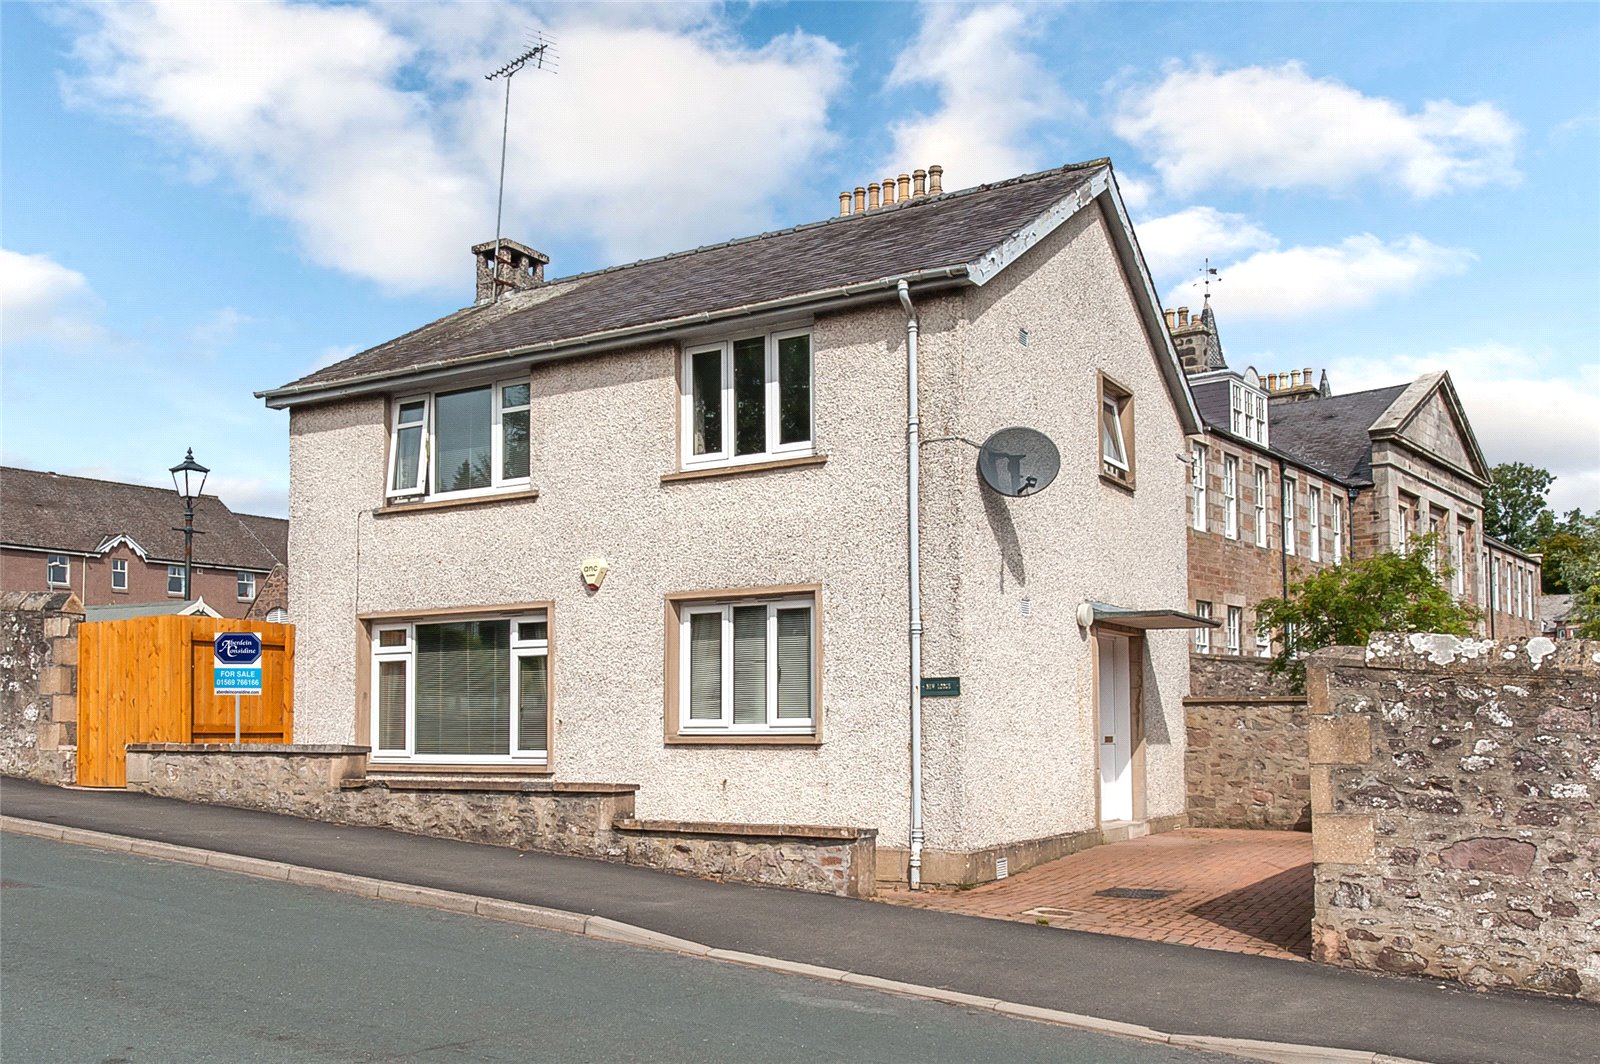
(236, 663)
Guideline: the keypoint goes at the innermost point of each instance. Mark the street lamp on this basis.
(189, 478)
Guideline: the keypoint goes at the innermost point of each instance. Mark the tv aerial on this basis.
(1017, 462)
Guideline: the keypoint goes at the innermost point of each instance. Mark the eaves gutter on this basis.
(841, 297)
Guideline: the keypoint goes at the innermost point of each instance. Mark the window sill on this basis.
(1118, 482)
(749, 467)
(390, 509)
(703, 739)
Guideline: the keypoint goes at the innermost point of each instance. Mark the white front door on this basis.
(1116, 729)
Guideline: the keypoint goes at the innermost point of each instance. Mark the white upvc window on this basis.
(1197, 486)
(462, 690)
(747, 400)
(1202, 636)
(461, 442)
(1230, 496)
(119, 574)
(58, 570)
(1113, 445)
(1338, 527)
(175, 586)
(748, 667)
(1235, 628)
(245, 586)
(1314, 521)
(1261, 506)
(1289, 496)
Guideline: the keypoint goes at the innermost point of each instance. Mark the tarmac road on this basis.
(115, 959)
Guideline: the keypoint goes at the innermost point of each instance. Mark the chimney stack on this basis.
(892, 191)
(520, 268)
(1294, 384)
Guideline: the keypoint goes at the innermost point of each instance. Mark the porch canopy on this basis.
(1092, 613)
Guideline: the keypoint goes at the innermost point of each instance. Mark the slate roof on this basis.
(928, 236)
(1331, 434)
(47, 510)
(1211, 399)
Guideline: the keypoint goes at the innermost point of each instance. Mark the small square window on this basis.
(175, 586)
(58, 570)
(245, 586)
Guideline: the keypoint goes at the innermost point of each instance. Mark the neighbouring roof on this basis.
(930, 236)
(1212, 398)
(123, 611)
(79, 514)
(1555, 609)
(1332, 435)
(1500, 546)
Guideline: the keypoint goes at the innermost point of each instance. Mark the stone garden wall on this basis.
(39, 685)
(533, 813)
(1454, 794)
(1246, 760)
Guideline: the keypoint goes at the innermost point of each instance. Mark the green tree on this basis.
(1513, 504)
(1586, 611)
(1344, 605)
(1571, 553)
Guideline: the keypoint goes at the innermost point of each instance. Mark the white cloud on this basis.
(994, 96)
(1177, 244)
(1279, 127)
(373, 134)
(1137, 193)
(1291, 282)
(40, 299)
(1520, 408)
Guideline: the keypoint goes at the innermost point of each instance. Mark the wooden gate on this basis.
(148, 680)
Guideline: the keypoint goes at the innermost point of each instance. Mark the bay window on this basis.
(747, 400)
(462, 690)
(463, 442)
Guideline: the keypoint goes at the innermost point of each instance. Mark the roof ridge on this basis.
(252, 534)
(96, 480)
(879, 212)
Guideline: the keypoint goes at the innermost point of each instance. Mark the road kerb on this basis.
(532, 915)
(606, 929)
(1086, 1023)
(38, 829)
(633, 935)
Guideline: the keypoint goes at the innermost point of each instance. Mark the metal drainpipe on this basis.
(914, 580)
(1283, 543)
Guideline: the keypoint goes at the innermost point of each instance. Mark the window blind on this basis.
(705, 666)
(533, 703)
(391, 705)
(750, 664)
(461, 433)
(794, 664)
(462, 695)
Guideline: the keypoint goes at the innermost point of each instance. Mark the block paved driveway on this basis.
(1240, 891)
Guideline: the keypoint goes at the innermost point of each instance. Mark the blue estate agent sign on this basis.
(236, 663)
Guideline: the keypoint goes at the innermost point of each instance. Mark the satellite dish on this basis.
(1018, 462)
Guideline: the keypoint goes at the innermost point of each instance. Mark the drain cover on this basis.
(1136, 893)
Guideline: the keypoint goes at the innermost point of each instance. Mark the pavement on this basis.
(1172, 991)
(1240, 891)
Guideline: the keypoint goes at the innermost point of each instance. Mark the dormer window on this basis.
(1247, 412)
(459, 443)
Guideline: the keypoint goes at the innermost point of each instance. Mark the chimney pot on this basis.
(888, 191)
(861, 199)
(904, 181)
(935, 180)
(844, 204)
(872, 196)
(1172, 319)
(1183, 316)
(1307, 377)
(919, 180)
(1272, 382)
(1294, 376)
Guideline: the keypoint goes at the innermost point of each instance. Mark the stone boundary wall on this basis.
(39, 685)
(332, 783)
(1454, 791)
(1246, 760)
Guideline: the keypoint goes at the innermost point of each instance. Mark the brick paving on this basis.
(1240, 891)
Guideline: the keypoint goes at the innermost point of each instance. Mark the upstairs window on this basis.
(119, 574)
(58, 570)
(747, 400)
(175, 586)
(245, 586)
(1314, 521)
(1230, 496)
(469, 441)
(1116, 431)
(1337, 528)
(1247, 412)
(1235, 628)
(1261, 506)
(1197, 487)
(1288, 515)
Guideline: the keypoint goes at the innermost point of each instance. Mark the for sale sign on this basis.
(236, 663)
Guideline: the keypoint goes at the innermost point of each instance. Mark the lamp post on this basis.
(189, 478)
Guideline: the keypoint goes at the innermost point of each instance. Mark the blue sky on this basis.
(201, 201)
